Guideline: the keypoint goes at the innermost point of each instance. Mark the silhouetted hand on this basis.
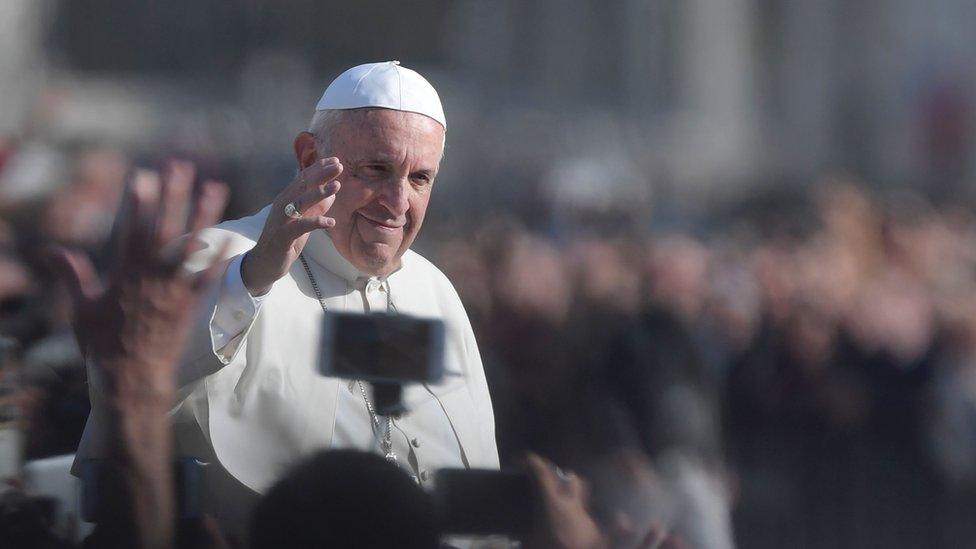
(134, 328)
(132, 332)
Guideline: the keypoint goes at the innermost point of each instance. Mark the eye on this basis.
(421, 179)
(374, 170)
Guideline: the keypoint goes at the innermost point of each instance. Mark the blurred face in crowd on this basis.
(679, 271)
(532, 280)
(389, 159)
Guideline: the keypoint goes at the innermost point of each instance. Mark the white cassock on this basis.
(252, 400)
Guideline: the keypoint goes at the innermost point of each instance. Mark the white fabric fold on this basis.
(235, 312)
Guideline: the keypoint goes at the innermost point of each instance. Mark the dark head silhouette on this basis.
(345, 498)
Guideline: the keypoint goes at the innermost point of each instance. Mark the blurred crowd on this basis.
(817, 354)
(64, 193)
(809, 364)
(44, 376)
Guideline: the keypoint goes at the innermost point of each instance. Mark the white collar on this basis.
(323, 251)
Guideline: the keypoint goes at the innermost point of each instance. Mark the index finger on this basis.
(322, 171)
(176, 188)
(543, 473)
(209, 206)
(139, 219)
(207, 209)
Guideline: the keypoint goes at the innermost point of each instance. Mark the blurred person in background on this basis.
(664, 453)
(80, 213)
(252, 400)
(529, 347)
(77, 213)
(826, 404)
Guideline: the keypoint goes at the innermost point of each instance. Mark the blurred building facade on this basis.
(704, 97)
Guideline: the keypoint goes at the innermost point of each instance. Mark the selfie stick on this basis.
(386, 397)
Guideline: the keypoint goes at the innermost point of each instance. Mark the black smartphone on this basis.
(382, 348)
(484, 502)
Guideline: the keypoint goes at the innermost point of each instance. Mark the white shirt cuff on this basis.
(236, 308)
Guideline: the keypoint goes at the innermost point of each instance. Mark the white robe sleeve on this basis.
(227, 313)
(234, 313)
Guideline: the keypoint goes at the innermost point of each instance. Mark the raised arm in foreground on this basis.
(132, 331)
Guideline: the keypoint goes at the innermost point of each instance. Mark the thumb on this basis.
(75, 271)
(654, 538)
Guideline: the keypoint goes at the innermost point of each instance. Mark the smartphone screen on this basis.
(382, 348)
(483, 502)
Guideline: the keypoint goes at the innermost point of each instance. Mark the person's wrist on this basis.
(138, 396)
(253, 282)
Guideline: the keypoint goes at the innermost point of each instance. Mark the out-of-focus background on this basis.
(774, 201)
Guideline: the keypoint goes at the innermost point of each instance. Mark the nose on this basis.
(394, 196)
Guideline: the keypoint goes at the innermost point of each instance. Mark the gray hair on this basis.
(322, 125)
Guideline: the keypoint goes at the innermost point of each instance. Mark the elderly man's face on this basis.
(389, 159)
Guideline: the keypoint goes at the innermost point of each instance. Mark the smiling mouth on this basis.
(382, 226)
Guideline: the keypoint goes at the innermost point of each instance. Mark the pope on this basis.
(336, 238)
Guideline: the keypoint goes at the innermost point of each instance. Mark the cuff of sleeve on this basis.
(234, 313)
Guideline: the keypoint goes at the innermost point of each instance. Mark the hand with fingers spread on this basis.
(297, 211)
(132, 332)
(135, 327)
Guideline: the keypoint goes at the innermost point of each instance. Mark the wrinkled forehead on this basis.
(378, 118)
(379, 131)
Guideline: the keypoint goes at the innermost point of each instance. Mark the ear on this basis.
(305, 152)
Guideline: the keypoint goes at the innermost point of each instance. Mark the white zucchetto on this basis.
(386, 85)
